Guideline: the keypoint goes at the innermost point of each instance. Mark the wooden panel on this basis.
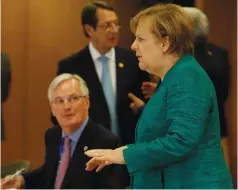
(199, 4)
(54, 33)
(14, 43)
(223, 31)
(126, 10)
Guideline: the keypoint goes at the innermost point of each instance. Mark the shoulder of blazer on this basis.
(124, 50)
(214, 48)
(126, 55)
(53, 133)
(100, 133)
(82, 54)
(185, 76)
(186, 65)
(92, 129)
(218, 57)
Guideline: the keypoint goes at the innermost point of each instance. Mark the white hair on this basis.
(200, 22)
(64, 77)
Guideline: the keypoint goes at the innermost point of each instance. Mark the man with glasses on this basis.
(64, 166)
(110, 72)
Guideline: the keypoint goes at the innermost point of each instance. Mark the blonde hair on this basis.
(65, 77)
(169, 20)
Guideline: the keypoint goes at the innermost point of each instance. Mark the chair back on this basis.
(12, 167)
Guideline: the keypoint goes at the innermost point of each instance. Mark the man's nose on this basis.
(114, 28)
(67, 105)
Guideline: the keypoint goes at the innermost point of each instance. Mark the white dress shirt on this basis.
(111, 63)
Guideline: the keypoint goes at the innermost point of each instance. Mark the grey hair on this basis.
(64, 77)
(200, 22)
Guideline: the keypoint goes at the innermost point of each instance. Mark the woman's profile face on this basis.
(148, 48)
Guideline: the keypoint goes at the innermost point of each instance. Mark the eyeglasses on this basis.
(109, 25)
(72, 99)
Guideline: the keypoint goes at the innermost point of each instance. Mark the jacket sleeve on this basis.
(186, 113)
(36, 179)
(113, 176)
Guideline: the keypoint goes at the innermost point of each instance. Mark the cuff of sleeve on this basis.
(128, 157)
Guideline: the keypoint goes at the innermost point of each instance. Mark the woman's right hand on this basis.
(15, 183)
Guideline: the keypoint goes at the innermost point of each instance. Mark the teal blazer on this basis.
(178, 141)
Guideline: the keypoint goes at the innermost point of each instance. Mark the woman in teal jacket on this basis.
(177, 135)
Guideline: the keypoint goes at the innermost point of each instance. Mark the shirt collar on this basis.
(95, 53)
(77, 134)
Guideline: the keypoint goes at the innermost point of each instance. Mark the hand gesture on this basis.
(104, 157)
(15, 183)
(136, 103)
(148, 88)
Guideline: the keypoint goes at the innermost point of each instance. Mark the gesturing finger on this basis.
(102, 166)
(95, 162)
(96, 152)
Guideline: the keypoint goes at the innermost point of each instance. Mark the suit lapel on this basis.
(79, 159)
(120, 72)
(93, 79)
(90, 74)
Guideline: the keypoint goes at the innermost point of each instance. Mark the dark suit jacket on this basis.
(214, 61)
(5, 85)
(94, 136)
(5, 77)
(129, 79)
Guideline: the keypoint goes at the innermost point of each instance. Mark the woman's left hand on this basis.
(104, 157)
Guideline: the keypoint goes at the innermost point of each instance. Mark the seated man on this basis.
(65, 161)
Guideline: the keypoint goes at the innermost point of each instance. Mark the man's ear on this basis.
(165, 44)
(89, 29)
(88, 101)
(52, 108)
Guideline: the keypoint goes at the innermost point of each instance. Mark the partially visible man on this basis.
(5, 85)
(65, 144)
(110, 72)
(213, 59)
(215, 62)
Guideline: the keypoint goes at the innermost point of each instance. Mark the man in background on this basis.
(215, 62)
(110, 72)
(5, 85)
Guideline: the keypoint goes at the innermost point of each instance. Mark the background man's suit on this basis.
(94, 136)
(129, 79)
(215, 62)
(5, 85)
